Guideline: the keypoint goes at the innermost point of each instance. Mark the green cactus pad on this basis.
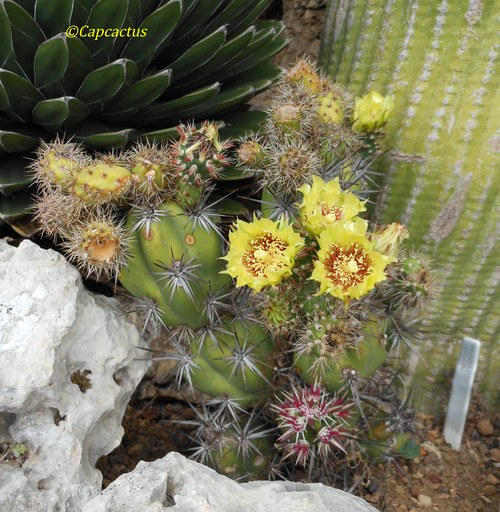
(241, 366)
(170, 242)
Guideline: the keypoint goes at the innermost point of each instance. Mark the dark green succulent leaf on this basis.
(255, 58)
(187, 6)
(13, 142)
(14, 174)
(15, 205)
(26, 36)
(177, 108)
(107, 140)
(62, 113)
(53, 16)
(159, 28)
(17, 96)
(265, 72)
(139, 95)
(79, 65)
(7, 55)
(133, 18)
(105, 83)
(249, 121)
(233, 13)
(223, 102)
(159, 135)
(222, 58)
(279, 26)
(198, 54)
(187, 32)
(226, 205)
(81, 12)
(28, 6)
(258, 9)
(105, 14)
(50, 64)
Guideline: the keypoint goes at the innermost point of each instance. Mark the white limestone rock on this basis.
(50, 328)
(177, 484)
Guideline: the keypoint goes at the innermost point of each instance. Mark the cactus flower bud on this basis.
(371, 112)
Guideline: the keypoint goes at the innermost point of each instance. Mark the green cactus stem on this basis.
(173, 262)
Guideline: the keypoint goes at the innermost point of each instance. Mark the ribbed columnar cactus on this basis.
(440, 61)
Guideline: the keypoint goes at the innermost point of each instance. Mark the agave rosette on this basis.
(198, 59)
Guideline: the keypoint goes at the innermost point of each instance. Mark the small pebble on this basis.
(495, 454)
(424, 500)
(483, 448)
(492, 479)
(485, 428)
(433, 478)
(489, 490)
(415, 492)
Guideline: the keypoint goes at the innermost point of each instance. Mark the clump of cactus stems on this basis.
(291, 355)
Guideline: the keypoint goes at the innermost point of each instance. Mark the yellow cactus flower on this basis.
(348, 266)
(371, 112)
(325, 203)
(388, 240)
(261, 252)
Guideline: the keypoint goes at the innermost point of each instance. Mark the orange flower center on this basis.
(265, 253)
(347, 267)
(332, 213)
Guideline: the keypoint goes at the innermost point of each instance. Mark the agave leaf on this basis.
(81, 12)
(26, 36)
(62, 113)
(53, 16)
(105, 14)
(107, 139)
(158, 135)
(51, 61)
(103, 84)
(222, 58)
(17, 96)
(242, 124)
(28, 6)
(251, 17)
(14, 175)
(257, 57)
(15, 205)
(7, 54)
(232, 14)
(12, 142)
(223, 102)
(133, 18)
(188, 31)
(266, 72)
(160, 26)
(178, 107)
(228, 206)
(139, 95)
(79, 65)
(198, 54)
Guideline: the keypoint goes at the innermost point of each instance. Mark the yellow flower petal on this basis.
(325, 203)
(262, 252)
(348, 267)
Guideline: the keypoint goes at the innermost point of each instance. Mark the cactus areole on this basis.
(174, 264)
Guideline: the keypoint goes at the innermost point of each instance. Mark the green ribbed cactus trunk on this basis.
(441, 61)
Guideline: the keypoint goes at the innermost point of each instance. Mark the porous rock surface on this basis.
(53, 330)
(175, 483)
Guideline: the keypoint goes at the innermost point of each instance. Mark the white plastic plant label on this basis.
(460, 392)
